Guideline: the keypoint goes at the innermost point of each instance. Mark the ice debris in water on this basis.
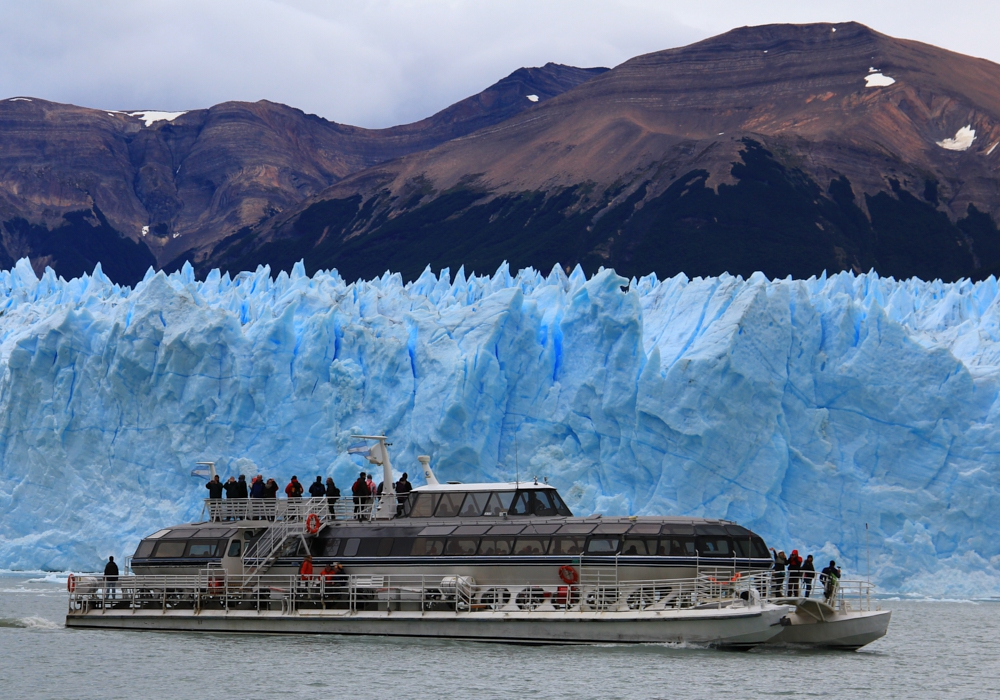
(800, 408)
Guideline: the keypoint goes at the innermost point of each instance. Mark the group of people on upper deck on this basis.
(801, 573)
(363, 491)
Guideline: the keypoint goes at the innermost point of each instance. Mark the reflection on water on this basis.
(934, 650)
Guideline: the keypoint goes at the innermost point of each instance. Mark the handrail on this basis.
(279, 509)
(376, 592)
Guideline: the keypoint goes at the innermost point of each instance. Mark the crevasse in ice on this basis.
(803, 409)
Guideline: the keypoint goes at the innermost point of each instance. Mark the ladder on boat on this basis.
(262, 552)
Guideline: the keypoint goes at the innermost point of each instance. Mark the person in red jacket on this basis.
(294, 488)
(306, 570)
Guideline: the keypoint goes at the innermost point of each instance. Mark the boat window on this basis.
(714, 547)
(351, 548)
(475, 504)
(168, 548)
(449, 504)
(471, 530)
(234, 548)
(499, 503)
(402, 546)
(461, 546)
(330, 548)
(158, 534)
(544, 504)
(677, 529)
(427, 547)
(602, 545)
(541, 529)
(577, 529)
(145, 549)
(205, 548)
(521, 504)
(494, 546)
(639, 546)
(568, 545)
(385, 547)
(531, 545)
(506, 529)
(214, 532)
(561, 507)
(758, 548)
(368, 547)
(423, 504)
(710, 529)
(677, 546)
(645, 529)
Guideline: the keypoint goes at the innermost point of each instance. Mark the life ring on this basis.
(214, 585)
(569, 575)
(312, 524)
(71, 583)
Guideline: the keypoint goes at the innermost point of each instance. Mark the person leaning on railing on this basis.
(332, 495)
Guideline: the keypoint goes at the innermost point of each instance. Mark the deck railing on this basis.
(282, 509)
(215, 590)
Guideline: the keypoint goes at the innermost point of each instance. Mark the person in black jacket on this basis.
(808, 573)
(316, 488)
(332, 494)
(778, 577)
(111, 578)
(360, 492)
(241, 487)
(829, 577)
(214, 487)
(403, 488)
(231, 488)
(794, 567)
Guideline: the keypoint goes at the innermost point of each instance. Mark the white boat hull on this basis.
(733, 628)
(836, 630)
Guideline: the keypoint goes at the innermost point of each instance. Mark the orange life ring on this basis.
(71, 583)
(214, 585)
(569, 575)
(312, 524)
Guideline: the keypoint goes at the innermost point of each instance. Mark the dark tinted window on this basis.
(168, 548)
(402, 546)
(640, 546)
(602, 545)
(145, 549)
(474, 505)
(561, 506)
(368, 547)
(544, 504)
(499, 503)
(494, 546)
(531, 545)
(448, 505)
(234, 548)
(709, 546)
(521, 504)
(351, 548)
(330, 548)
(758, 548)
(461, 546)
(568, 545)
(422, 504)
(427, 547)
(677, 546)
(384, 547)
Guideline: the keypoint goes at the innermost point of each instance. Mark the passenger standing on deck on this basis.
(316, 489)
(306, 570)
(808, 574)
(332, 494)
(371, 493)
(270, 489)
(830, 577)
(778, 578)
(241, 487)
(257, 487)
(294, 488)
(214, 487)
(794, 569)
(110, 578)
(231, 488)
(403, 488)
(360, 491)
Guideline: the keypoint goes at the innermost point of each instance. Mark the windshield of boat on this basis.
(537, 502)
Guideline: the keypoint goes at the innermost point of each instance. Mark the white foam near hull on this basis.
(724, 627)
(839, 630)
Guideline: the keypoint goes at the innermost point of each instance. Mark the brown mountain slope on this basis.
(782, 148)
(81, 185)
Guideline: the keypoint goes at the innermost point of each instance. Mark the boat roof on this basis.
(495, 486)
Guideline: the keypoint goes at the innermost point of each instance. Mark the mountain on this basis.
(789, 149)
(134, 189)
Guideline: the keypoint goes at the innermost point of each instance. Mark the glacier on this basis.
(803, 409)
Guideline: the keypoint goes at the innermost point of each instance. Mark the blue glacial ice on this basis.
(800, 408)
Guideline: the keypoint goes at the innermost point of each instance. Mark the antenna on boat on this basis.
(379, 454)
(517, 469)
(868, 549)
(425, 462)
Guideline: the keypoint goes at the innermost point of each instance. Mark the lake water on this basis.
(933, 650)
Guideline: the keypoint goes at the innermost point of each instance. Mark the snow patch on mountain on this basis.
(961, 141)
(151, 117)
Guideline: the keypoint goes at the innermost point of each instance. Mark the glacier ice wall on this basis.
(800, 408)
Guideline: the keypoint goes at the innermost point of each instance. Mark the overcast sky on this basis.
(383, 62)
